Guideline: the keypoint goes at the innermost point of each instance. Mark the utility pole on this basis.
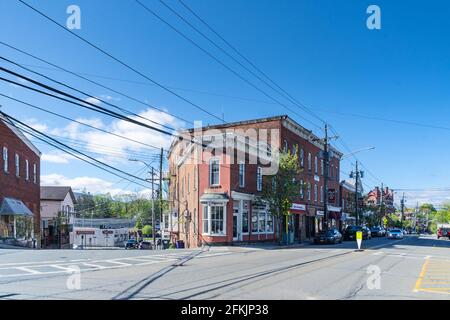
(325, 180)
(381, 203)
(403, 209)
(153, 210)
(356, 193)
(326, 160)
(160, 191)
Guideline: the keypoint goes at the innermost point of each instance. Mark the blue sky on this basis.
(321, 52)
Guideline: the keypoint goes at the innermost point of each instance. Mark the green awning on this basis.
(14, 207)
(214, 197)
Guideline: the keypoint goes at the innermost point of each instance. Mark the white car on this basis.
(395, 234)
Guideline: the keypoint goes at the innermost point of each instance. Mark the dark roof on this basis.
(14, 207)
(56, 193)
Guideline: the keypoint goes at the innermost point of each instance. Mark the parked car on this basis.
(395, 234)
(131, 244)
(443, 232)
(329, 236)
(145, 245)
(350, 232)
(378, 231)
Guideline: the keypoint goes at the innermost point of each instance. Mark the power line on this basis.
(223, 64)
(87, 94)
(290, 97)
(122, 63)
(63, 147)
(91, 81)
(79, 122)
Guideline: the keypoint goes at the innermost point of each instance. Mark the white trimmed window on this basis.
(214, 219)
(302, 194)
(17, 163)
(214, 172)
(316, 165)
(321, 194)
(309, 161)
(262, 220)
(308, 191)
(5, 159)
(27, 170)
(316, 192)
(259, 179)
(242, 175)
(321, 166)
(302, 158)
(34, 173)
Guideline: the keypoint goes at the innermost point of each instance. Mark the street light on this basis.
(356, 151)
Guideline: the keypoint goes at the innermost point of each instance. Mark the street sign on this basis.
(359, 237)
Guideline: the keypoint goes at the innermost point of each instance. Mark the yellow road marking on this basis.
(422, 274)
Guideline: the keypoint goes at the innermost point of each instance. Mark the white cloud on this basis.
(94, 138)
(434, 196)
(60, 158)
(35, 124)
(93, 185)
(93, 101)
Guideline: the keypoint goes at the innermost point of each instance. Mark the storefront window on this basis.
(254, 221)
(205, 220)
(245, 217)
(214, 220)
(262, 221)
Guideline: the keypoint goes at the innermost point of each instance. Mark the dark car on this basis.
(350, 232)
(377, 231)
(131, 244)
(145, 245)
(330, 236)
(443, 232)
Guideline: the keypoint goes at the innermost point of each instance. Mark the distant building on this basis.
(57, 213)
(101, 232)
(376, 197)
(19, 187)
(348, 200)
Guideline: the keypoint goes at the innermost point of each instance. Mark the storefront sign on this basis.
(331, 195)
(319, 213)
(78, 232)
(298, 207)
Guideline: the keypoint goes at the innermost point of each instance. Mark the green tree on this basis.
(147, 230)
(281, 189)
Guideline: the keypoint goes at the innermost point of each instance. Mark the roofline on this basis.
(21, 136)
(254, 121)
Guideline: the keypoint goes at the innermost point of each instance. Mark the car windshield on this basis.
(395, 230)
(353, 228)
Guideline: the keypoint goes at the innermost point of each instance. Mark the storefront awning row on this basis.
(14, 207)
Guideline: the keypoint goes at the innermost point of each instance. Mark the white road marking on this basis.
(28, 270)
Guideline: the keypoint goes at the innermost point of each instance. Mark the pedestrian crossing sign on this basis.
(359, 235)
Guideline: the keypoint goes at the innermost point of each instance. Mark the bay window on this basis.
(214, 219)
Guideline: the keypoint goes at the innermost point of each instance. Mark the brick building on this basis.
(377, 196)
(19, 187)
(216, 196)
(348, 200)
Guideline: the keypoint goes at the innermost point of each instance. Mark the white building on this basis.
(101, 232)
(96, 237)
(57, 213)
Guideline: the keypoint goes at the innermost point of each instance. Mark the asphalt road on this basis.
(413, 268)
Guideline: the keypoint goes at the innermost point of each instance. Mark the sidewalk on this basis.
(263, 246)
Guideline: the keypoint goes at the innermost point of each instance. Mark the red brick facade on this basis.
(18, 187)
(190, 183)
